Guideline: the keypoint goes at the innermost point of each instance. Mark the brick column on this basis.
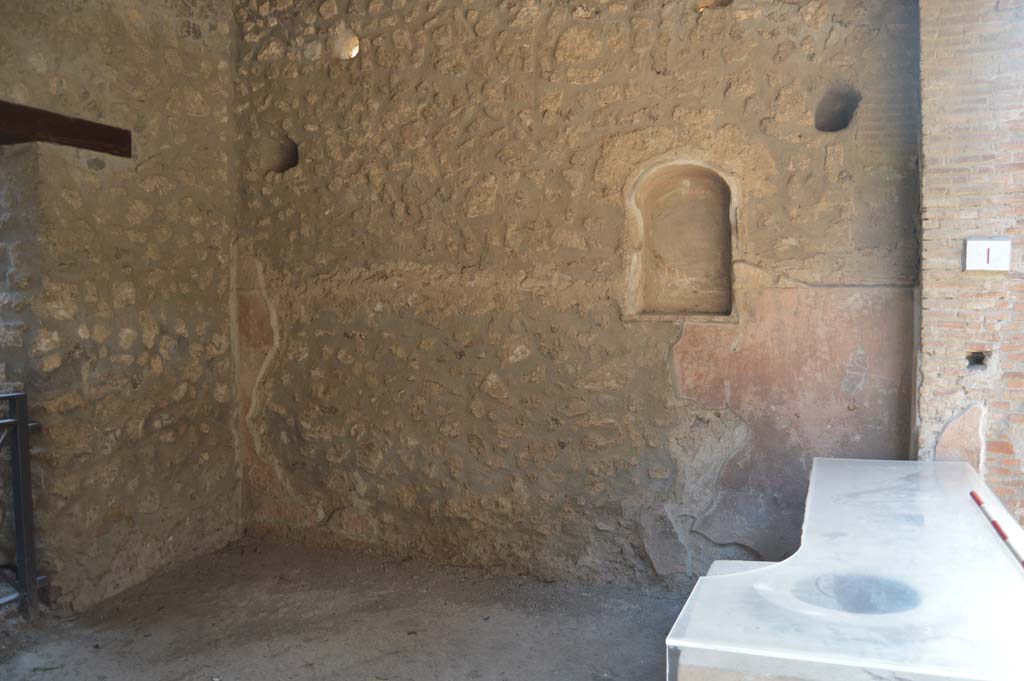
(972, 80)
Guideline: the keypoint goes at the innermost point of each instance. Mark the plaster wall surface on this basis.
(433, 353)
(114, 313)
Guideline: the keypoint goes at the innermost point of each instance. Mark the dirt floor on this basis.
(258, 612)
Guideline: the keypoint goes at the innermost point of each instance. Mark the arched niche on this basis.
(682, 220)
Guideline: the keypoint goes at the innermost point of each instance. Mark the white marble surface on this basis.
(899, 576)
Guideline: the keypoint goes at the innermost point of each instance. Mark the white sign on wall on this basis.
(991, 254)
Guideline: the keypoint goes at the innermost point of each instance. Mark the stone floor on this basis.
(259, 612)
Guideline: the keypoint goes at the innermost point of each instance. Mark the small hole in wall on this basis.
(278, 155)
(977, 361)
(836, 109)
(343, 43)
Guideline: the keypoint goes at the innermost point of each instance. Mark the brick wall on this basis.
(973, 185)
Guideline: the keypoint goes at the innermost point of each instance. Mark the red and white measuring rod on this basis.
(998, 528)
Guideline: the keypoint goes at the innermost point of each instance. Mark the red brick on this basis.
(999, 447)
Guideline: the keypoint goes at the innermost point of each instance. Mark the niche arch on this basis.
(681, 220)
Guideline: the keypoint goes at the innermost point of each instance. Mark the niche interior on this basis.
(682, 225)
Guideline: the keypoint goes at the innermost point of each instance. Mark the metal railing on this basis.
(26, 581)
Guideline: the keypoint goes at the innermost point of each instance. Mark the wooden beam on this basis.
(20, 124)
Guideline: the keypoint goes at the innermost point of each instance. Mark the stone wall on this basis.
(116, 286)
(973, 147)
(19, 213)
(438, 354)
